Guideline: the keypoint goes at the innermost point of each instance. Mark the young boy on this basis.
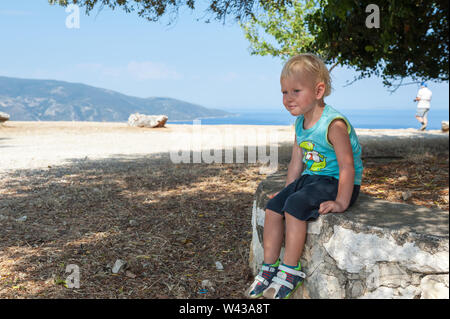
(324, 175)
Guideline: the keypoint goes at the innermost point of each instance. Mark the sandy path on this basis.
(30, 145)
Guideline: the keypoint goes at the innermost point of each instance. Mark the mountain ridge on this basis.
(54, 100)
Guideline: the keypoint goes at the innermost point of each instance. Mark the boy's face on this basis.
(299, 96)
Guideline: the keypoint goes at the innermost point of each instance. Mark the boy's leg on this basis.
(301, 207)
(289, 276)
(295, 239)
(272, 240)
(272, 236)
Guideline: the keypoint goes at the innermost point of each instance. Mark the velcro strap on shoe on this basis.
(268, 268)
(272, 290)
(292, 271)
(262, 279)
(283, 282)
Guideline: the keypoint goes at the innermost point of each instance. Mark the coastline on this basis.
(360, 118)
(205, 118)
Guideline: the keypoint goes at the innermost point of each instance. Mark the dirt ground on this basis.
(170, 222)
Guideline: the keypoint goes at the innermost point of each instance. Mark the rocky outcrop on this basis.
(376, 249)
(444, 126)
(141, 120)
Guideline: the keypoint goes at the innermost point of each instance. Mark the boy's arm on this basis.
(338, 136)
(295, 167)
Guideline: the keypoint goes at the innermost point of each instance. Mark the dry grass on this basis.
(186, 217)
(425, 176)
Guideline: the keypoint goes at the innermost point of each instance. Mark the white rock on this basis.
(132, 222)
(22, 219)
(260, 215)
(391, 293)
(313, 256)
(373, 279)
(219, 265)
(434, 287)
(314, 227)
(325, 287)
(406, 195)
(142, 120)
(380, 293)
(118, 266)
(409, 292)
(207, 284)
(388, 275)
(354, 251)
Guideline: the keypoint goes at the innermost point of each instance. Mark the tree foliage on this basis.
(285, 31)
(154, 10)
(412, 40)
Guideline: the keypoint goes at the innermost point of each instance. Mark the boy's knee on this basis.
(292, 217)
(272, 213)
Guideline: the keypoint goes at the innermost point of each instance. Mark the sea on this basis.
(359, 118)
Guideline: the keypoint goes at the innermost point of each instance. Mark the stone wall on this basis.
(376, 249)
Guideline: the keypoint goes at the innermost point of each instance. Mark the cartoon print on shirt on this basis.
(314, 160)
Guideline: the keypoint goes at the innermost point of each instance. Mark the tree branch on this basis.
(402, 84)
(333, 66)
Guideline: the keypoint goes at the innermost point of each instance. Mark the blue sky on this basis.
(206, 64)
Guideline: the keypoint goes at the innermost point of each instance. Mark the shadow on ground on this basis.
(169, 222)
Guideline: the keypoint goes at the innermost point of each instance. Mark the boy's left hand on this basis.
(331, 207)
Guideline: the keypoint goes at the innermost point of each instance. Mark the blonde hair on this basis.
(310, 63)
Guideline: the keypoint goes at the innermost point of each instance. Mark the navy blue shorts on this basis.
(302, 197)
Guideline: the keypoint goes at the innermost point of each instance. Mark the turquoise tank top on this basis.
(319, 157)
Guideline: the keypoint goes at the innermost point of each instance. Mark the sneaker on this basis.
(423, 128)
(263, 279)
(285, 283)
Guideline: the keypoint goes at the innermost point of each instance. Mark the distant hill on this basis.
(49, 100)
